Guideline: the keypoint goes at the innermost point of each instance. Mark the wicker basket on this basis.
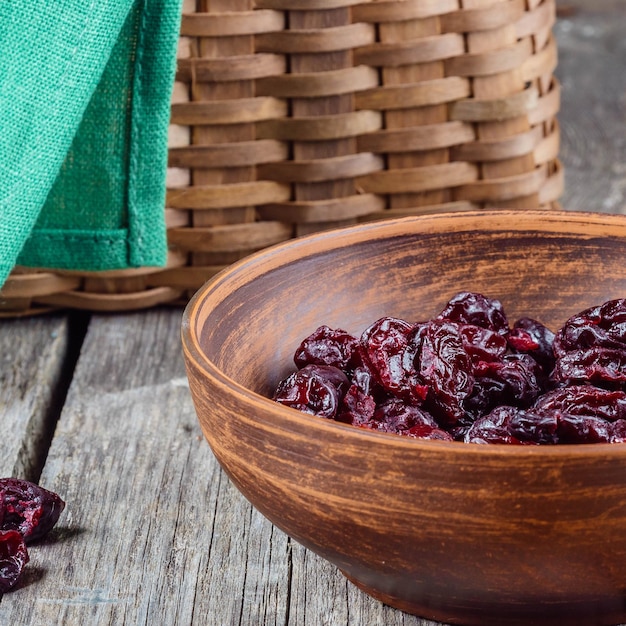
(294, 116)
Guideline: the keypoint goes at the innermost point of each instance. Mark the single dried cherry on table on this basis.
(468, 374)
(27, 513)
(13, 558)
(28, 508)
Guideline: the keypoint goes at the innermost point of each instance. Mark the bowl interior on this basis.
(546, 265)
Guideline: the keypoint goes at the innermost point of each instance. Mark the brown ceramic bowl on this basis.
(459, 533)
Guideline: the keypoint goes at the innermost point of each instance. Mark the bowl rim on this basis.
(350, 235)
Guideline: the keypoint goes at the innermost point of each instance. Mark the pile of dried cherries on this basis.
(469, 375)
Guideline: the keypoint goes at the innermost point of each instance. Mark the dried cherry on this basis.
(395, 416)
(482, 344)
(516, 379)
(602, 326)
(326, 346)
(445, 368)
(27, 513)
(383, 345)
(357, 407)
(585, 400)
(511, 425)
(474, 308)
(583, 429)
(315, 389)
(532, 337)
(591, 347)
(28, 508)
(13, 558)
(605, 367)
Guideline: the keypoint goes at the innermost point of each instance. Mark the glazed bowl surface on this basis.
(454, 532)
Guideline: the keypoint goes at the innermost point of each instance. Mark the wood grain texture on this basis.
(32, 355)
(592, 71)
(139, 542)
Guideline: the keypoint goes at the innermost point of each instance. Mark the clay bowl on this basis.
(459, 533)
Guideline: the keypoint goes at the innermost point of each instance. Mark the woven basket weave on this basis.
(294, 116)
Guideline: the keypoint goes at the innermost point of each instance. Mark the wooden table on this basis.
(97, 408)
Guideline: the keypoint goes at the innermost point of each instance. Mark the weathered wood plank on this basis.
(321, 596)
(592, 71)
(32, 355)
(140, 535)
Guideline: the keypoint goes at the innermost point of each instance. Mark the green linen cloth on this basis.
(85, 88)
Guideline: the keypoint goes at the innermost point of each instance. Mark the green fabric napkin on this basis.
(85, 88)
